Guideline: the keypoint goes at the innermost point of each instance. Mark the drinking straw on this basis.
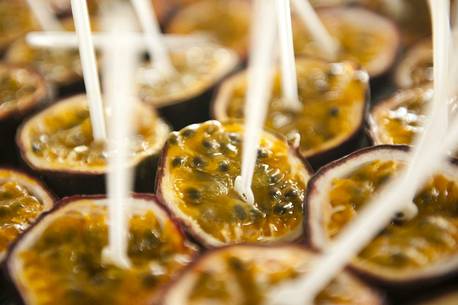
(89, 65)
(259, 92)
(288, 62)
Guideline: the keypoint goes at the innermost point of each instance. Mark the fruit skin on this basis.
(398, 289)
(381, 297)
(6, 271)
(68, 183)
(354, 141)
(187, 224)
(9, 122)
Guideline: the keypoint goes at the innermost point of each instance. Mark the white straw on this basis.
(68, 40)
(288, 63)
(44, 15)
(259, 91)
(378, 213)
(156, 48)
(119, 68)
(89, 65)
(327, 44)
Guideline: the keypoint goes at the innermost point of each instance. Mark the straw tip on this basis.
(245, 192)
(117, 258)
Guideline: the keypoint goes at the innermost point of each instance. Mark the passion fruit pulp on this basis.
(416, 67)
(408, 251)
(22, 200)
(400, 118)
(246, 274)
(365, 38)
(333, 97)
(57, 143)
(65, 248)
(227, 21)
(22, 92)
(196, 182)
(184, 97)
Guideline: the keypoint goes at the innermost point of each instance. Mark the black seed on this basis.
(236, 264)
(177, 161)
(334, 112)
(198, 162)
(36, 147)
(274, 179)
(223, 166)
(188, 133)
(275, 193)
(173, 139)
(211, 129)
(262, 153)
(235, 138)
(193, 194)
(292, 193)
(149, 280)
(240, 212)
(280, 210)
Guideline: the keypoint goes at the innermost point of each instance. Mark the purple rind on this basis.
(374, 290)
(10, 122)
(186, 224)
(6, 268)
(398, 289)
(319, 159)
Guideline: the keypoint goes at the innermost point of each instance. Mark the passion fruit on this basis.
(419, 251)
(57, 144)
(184, 97)
(23, 200)
(416, 67)
(15, 21)
(22, 92)
(365, 38)
(227, 21)
(333, 96)
(65, 248)
(398, 119)
(239, 275)
(196, 177)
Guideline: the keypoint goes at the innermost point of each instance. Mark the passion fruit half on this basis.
(184, 97)
(15, 21)
(22, 92)
(416, 67)
(366, 38)
(417, 251)
(227, 21)
(59, 259)
(57, 144)
(22, 200)
(398, 119)
(333, 96)
(239, 275)
(196, 182)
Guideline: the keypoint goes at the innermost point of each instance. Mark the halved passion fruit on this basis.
(246, 274)
(59, 260)
(416, 68)
(22, 92)
(423, 249)
(196, 182)
(57, 143)
(22, 200)
(334, 98)
(184, 98)
(398, 119)
(227, 21)
(15, 21)
(366, 38)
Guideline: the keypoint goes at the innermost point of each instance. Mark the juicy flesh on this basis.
(245, 279)
(196, 69)
(18, 209)
(63, 138)
(333, 99)
(67, 254)
(399, 124)
(203, 163)
(427, 239)
(15, 84)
